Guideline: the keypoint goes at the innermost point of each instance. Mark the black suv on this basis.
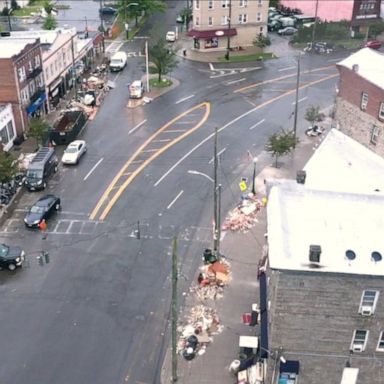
(41, 210)
(11, 257)
(41, 167)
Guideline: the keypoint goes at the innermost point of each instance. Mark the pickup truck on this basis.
(68, 127)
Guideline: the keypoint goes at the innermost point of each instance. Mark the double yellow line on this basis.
(116, 191)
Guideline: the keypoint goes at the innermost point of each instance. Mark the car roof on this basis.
(45, 198)
(136, 83)
(171, 32)
(76, 143)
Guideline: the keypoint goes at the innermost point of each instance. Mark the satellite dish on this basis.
(350, 255)
(376, 256)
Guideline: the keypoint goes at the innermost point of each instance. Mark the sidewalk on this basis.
(243, 251)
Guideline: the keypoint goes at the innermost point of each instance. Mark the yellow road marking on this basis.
(121, 189)
(281, 78)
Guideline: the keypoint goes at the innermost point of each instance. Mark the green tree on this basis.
(146, 7)
(50, 23)
(186, 14)
(161, 56)
(8, 167)
(14, 4)
(376, 29)
(281, 143)
(38, 129)
(48, 7)
(274, 3)
(313, 114)
(261, 41)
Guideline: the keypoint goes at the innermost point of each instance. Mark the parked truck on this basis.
(287, 22)
(68, 127)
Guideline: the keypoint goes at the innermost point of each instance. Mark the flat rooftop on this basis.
(11, 47)
(369, 65)
(337, 221)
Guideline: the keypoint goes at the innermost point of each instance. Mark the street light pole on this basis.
(146, 64)
(126, 25)
(215, 206)
(314, 25)
(297, 98)
(254, 176)
(229, 27)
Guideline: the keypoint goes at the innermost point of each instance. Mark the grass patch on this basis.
(253, 57)
(162, 84)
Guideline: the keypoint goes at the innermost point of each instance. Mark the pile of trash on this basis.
(211, 280)
(203, 322)
(244, 216)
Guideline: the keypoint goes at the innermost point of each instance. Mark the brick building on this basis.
(219, 23)
(360, 99)
(21, 79)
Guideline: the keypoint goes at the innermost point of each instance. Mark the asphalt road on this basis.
(99, 311)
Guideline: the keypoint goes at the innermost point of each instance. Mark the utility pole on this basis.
(9, 15)
(314, 25)
(297, 98)
(215, 202)
(146, 63)
(101, 17)
(73, 67)
(218, 219)
(174, 310)
(229, 27)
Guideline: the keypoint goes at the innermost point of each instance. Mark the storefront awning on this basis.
(290, 366)
(209, 33)
(37, 103)
(55, 84)
(264, 345)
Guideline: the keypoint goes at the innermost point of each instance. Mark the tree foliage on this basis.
(186, 14)
(48, 7)
(325, 31)
(376, 29)
(8, 167)
(38, 129)
(146, 7)
(261, 41)
(281, 143)
(163, 58)
(274, 3)
(313, 114)
(50, 23)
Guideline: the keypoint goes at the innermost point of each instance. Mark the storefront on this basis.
(36, 108)
(7, 127)
(211, 39)
(56, 91)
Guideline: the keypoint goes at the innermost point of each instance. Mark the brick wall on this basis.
(351, 119)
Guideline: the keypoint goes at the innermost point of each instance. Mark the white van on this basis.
(136, 90)
(118, 61)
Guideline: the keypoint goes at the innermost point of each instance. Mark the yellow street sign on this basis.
(243, 186)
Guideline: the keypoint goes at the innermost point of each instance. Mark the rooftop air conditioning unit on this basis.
(314, 253)
(366, 310)
(357, 348)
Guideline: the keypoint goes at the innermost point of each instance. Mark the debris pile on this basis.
(203, 322)
(244, 216)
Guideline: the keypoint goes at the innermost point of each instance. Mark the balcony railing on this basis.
(34, 73)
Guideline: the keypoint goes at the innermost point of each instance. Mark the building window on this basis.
(381, 111)
(260, 3)
(368, 302)
(364, 101)
(359, 340)
(225, 3)
(21, 72)
(197, 4)
(224, 20)
(380, 344)
(243, 3)
(197, 20)
(210, 4)
(258, 17)
(37, 61)
(30, 66)
(210, 20)
(375, 133)
(243, 18)
(7, 133)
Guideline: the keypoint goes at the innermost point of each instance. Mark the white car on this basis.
(170, 36)
(74, 151)
(136, 90)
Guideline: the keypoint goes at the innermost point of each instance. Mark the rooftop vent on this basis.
(376, 256)
(314, 253)
(350, 255)
(300, 177)
(355, 67)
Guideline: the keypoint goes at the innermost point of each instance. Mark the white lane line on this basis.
(211, 67)
(137, 126)
(286, 69)
(174, 200)
(93, 168)
(300, 100)
(332, 60)
(258, 123)
(218, 154)
(185, 98)
(235, 81)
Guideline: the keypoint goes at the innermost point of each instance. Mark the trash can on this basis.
(209, 257)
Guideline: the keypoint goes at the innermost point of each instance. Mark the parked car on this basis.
(136, 90)
(107, 11)
(42, 166)
(11, 257)
(118, 61)
(287, 31)
(170, 36)
(42, 210)
(374, 44)
(74, 151)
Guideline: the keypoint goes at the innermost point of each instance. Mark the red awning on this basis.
(209, 33)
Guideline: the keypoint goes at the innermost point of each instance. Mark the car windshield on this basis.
(115, 62)
(3, 250)
(71, 150)
(34, 174)
(37, 209)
